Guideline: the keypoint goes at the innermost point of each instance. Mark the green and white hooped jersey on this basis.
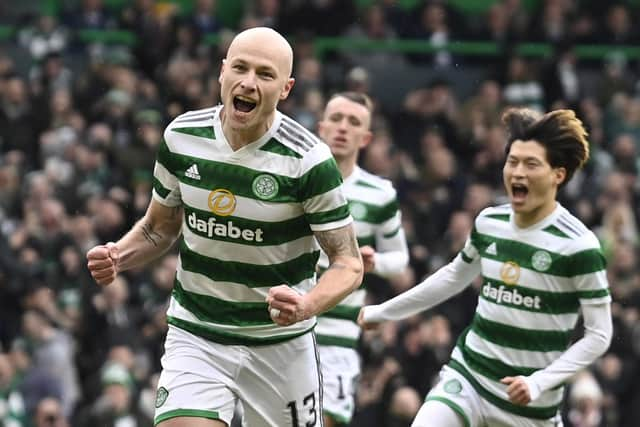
(534, 281)
(374, 207)
(249, 217)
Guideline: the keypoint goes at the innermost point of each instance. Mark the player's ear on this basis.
(287, 88)
(560, 175)
(366, 139)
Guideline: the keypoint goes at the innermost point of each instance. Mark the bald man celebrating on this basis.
(255, 196)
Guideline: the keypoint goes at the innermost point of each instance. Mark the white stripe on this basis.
(166, 178)
(318, 154)
(525, 319)
(263, 331)
(511, 356)
(549, 398)
(337, 328)
(229, 291)
(252, 209)
(354, 299)
(325, 201)
(372, 196)
(331, 225)
(244, 252)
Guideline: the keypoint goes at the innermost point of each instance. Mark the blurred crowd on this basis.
(80, 121)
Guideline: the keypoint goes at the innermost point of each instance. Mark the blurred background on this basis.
(87, 87)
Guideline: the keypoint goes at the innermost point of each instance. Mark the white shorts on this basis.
(456, 392)
(278, 385)
(340, 372)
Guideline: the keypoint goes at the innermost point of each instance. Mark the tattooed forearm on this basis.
(150, 234)
(341, 241)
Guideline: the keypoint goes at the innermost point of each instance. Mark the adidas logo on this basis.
(192, 172)
(491, 249)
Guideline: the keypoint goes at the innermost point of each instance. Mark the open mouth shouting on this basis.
(519, 192)
(243, 104)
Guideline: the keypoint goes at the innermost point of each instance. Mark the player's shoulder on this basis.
(299, 140)
(498, 212)
(382, 185)
(572, 228)
(202, 116)
(197, 123)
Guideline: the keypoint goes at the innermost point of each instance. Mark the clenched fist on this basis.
(287, 306)
(102, 262)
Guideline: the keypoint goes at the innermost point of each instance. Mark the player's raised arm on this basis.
(149, 238)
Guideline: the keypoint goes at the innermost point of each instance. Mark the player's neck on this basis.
(346, 166)
(238, 138)
(527, 219)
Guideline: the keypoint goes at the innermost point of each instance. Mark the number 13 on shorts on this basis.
(306, 412)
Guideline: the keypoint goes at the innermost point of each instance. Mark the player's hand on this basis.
(518, 390)
(368, 259)
(366, 325)
(102, 262)
(287, 306)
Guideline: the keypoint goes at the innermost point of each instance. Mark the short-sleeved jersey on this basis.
(377, 221)
(249, 218)
(534, 282)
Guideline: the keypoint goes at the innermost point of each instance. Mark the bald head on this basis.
(267, 41)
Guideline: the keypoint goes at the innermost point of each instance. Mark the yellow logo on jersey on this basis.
(222, 202)
(510, 272)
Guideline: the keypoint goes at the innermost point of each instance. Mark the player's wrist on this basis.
(534, 388)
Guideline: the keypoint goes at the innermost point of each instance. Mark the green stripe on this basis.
(227, 338)
(466, 258)
(454, 406)
(164, 155)
(273, 233)
(254, 276)
(160, 189)
(519, 338)
(200, 413)
(344, 312)
(375, 214)
(596, 293)
(584, 262)
(212, 415)
(340, 419)
(367, 241)
(202, 132)
(501, 217)
(493, 369)
(336, 341)
(540, 413)
(321, 178)
(273, 146)
(362, 183)
(392, 233)
(552, 229)
(333, 215)
(550, 302)
(238, 179)
(214, 310)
